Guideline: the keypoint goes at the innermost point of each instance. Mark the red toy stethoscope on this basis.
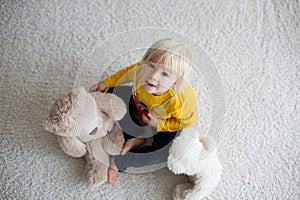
(141, 109)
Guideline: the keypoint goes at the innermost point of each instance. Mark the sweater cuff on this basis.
(108, 83)
(160, 125)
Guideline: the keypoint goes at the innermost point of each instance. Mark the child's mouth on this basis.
(150, 84)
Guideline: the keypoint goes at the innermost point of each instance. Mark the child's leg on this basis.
(129, 123)
(132, 143)
(147, 155)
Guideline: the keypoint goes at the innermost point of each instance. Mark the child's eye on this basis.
(165, 74)
(151, 66)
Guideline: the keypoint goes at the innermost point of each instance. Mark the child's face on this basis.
(156, 79)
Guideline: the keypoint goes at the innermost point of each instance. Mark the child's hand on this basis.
(98, 87)
(149, 119)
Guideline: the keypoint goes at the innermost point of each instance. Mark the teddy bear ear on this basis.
(50, 125)
(54, 126)
(111, 104)
(62, 114)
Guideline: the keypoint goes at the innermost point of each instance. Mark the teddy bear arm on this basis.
(72, 146)
(111, 104)
(95, 171)
(113, 142)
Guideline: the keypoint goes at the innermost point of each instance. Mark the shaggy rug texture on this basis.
(48, 47)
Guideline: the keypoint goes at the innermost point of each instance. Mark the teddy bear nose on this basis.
(94, 131)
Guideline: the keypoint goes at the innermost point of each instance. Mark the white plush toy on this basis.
(196, 158)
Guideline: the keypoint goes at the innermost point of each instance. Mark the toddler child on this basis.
(160, 101)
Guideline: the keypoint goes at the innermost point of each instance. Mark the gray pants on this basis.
(133, 126)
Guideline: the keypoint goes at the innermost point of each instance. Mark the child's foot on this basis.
(131, 143)
(113, 172)
(112, 175)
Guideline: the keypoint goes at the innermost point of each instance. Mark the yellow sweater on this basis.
(178, 113)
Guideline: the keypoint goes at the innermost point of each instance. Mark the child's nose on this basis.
(154, 75)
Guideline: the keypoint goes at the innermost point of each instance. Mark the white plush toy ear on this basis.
(111, 104)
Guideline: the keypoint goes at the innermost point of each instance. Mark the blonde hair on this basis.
(175, 54)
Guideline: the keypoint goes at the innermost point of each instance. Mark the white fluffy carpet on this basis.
(253, 44)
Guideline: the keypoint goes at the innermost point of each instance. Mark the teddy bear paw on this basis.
(96, 175)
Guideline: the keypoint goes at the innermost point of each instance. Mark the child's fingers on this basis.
(93, 88)
(146, 119)
(150, 116)
(101, 87)
(152, 120)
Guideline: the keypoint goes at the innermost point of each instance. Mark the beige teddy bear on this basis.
(86, 126)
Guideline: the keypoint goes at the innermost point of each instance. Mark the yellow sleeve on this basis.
(178, 121)
(183, 112)
(125, 75)
(170, 125)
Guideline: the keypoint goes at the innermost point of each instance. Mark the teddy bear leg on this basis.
(95, 172)
(72, 146)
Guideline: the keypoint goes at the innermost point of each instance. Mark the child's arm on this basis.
(183, 113)
(150, 120)
(173, 124)
(122, 76)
